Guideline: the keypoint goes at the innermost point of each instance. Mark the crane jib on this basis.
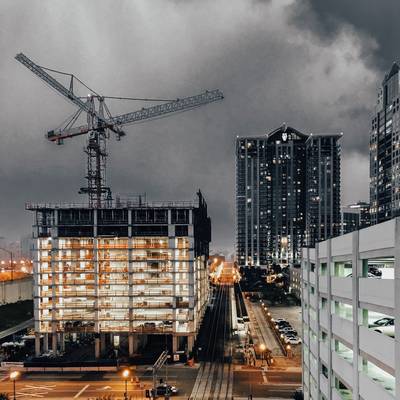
(99, 193)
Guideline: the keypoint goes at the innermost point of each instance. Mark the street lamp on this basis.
(13, 376)
(125, 375)
(262, 348)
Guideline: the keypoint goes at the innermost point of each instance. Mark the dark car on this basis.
(374, 270)
(283, 323)
(165, 389)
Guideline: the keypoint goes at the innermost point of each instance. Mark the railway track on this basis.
(215, 377)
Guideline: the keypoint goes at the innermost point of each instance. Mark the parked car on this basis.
(369, 275)
(291, 331)
(286, 338)
(374, 270)
(282, 323)
(384, 325)
(293, 341)
(285, 329)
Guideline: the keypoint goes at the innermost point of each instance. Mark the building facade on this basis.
(385, 151)
(274, 194)
(349, 316)
(355, 216)
(322, 188)
(133, 270)
(295, 280)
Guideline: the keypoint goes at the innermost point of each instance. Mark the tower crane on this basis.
(100, 123)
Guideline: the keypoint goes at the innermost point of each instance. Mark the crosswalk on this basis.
(214, 381)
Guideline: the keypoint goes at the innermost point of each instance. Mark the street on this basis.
(214, 377)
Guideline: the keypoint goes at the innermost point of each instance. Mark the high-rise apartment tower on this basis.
(385, 151)
(287, 194)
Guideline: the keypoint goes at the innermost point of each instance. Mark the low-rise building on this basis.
(350, 312)
(131, 269)
(355, 216)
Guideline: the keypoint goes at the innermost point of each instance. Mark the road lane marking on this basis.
(105, 388)
(81, 391)
(217, 390)
(20, 394)
(209, 383)
(44, 387)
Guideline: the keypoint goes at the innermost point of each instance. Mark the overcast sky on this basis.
(315, 65)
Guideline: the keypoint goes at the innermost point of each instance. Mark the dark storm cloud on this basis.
(376, 19)
(270, 69)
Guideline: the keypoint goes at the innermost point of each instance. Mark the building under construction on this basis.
(131, 269)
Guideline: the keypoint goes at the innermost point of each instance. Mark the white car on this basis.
(293, 341)
(384, 325)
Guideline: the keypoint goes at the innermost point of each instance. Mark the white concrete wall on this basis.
(378, 295)
(13, 291)
(377, 291)
(381, 236)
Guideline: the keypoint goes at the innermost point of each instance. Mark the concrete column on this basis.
(45, 342)
(97, 347)
(318, 299)
(133, 344)
(143, 340)
(54, 342)
(174, 343)
(102, 343)
(190, 342)
(331, 381)
(357, 273)
(62, 341)
(37, 344)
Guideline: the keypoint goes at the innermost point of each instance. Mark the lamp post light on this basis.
(125, 375)
(262, 348)
(13, 376)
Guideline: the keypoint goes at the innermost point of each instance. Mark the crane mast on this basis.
(99, 125)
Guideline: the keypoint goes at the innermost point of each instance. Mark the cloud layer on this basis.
(267, 57)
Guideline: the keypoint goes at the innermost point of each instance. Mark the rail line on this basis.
(214, 379)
